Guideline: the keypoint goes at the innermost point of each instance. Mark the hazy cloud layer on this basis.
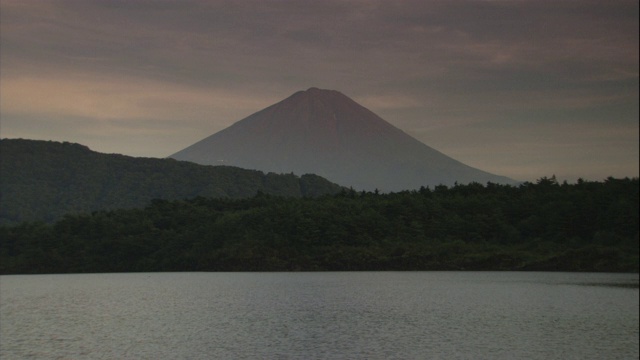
(523, 88)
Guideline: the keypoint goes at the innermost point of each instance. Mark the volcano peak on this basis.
(324, 132)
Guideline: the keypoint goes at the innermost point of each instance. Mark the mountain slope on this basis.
(43, 180)
(326, 133)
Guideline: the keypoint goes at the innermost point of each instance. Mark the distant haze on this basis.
(324, 132)
(521, 88)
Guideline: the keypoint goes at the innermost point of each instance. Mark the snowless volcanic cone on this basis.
(326, 133)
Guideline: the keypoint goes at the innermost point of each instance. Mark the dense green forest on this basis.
(44, 180)
(586, 226)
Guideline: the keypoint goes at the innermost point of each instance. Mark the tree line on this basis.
(546, 225)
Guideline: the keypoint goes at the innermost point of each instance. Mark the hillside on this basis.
(44, 180)
(325, 132)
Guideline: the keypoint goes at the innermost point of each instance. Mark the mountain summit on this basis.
(326, 133)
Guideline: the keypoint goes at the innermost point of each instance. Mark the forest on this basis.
(540, 226)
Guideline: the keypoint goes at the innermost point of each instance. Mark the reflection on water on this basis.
(630, 285)
(352, 315)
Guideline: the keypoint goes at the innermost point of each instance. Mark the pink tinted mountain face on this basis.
(326, 133)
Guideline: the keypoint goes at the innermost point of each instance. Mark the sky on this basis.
(520, 88)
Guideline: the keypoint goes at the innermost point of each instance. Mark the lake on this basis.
(320, 315)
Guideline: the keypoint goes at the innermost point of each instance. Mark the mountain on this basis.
(325, 132)
(43, 180)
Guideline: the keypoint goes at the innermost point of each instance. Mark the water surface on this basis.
(325, 315)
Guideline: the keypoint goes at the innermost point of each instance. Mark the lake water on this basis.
(324, 315)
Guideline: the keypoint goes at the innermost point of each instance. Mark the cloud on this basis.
(109, 98)
(363, 44)
(390, 101)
